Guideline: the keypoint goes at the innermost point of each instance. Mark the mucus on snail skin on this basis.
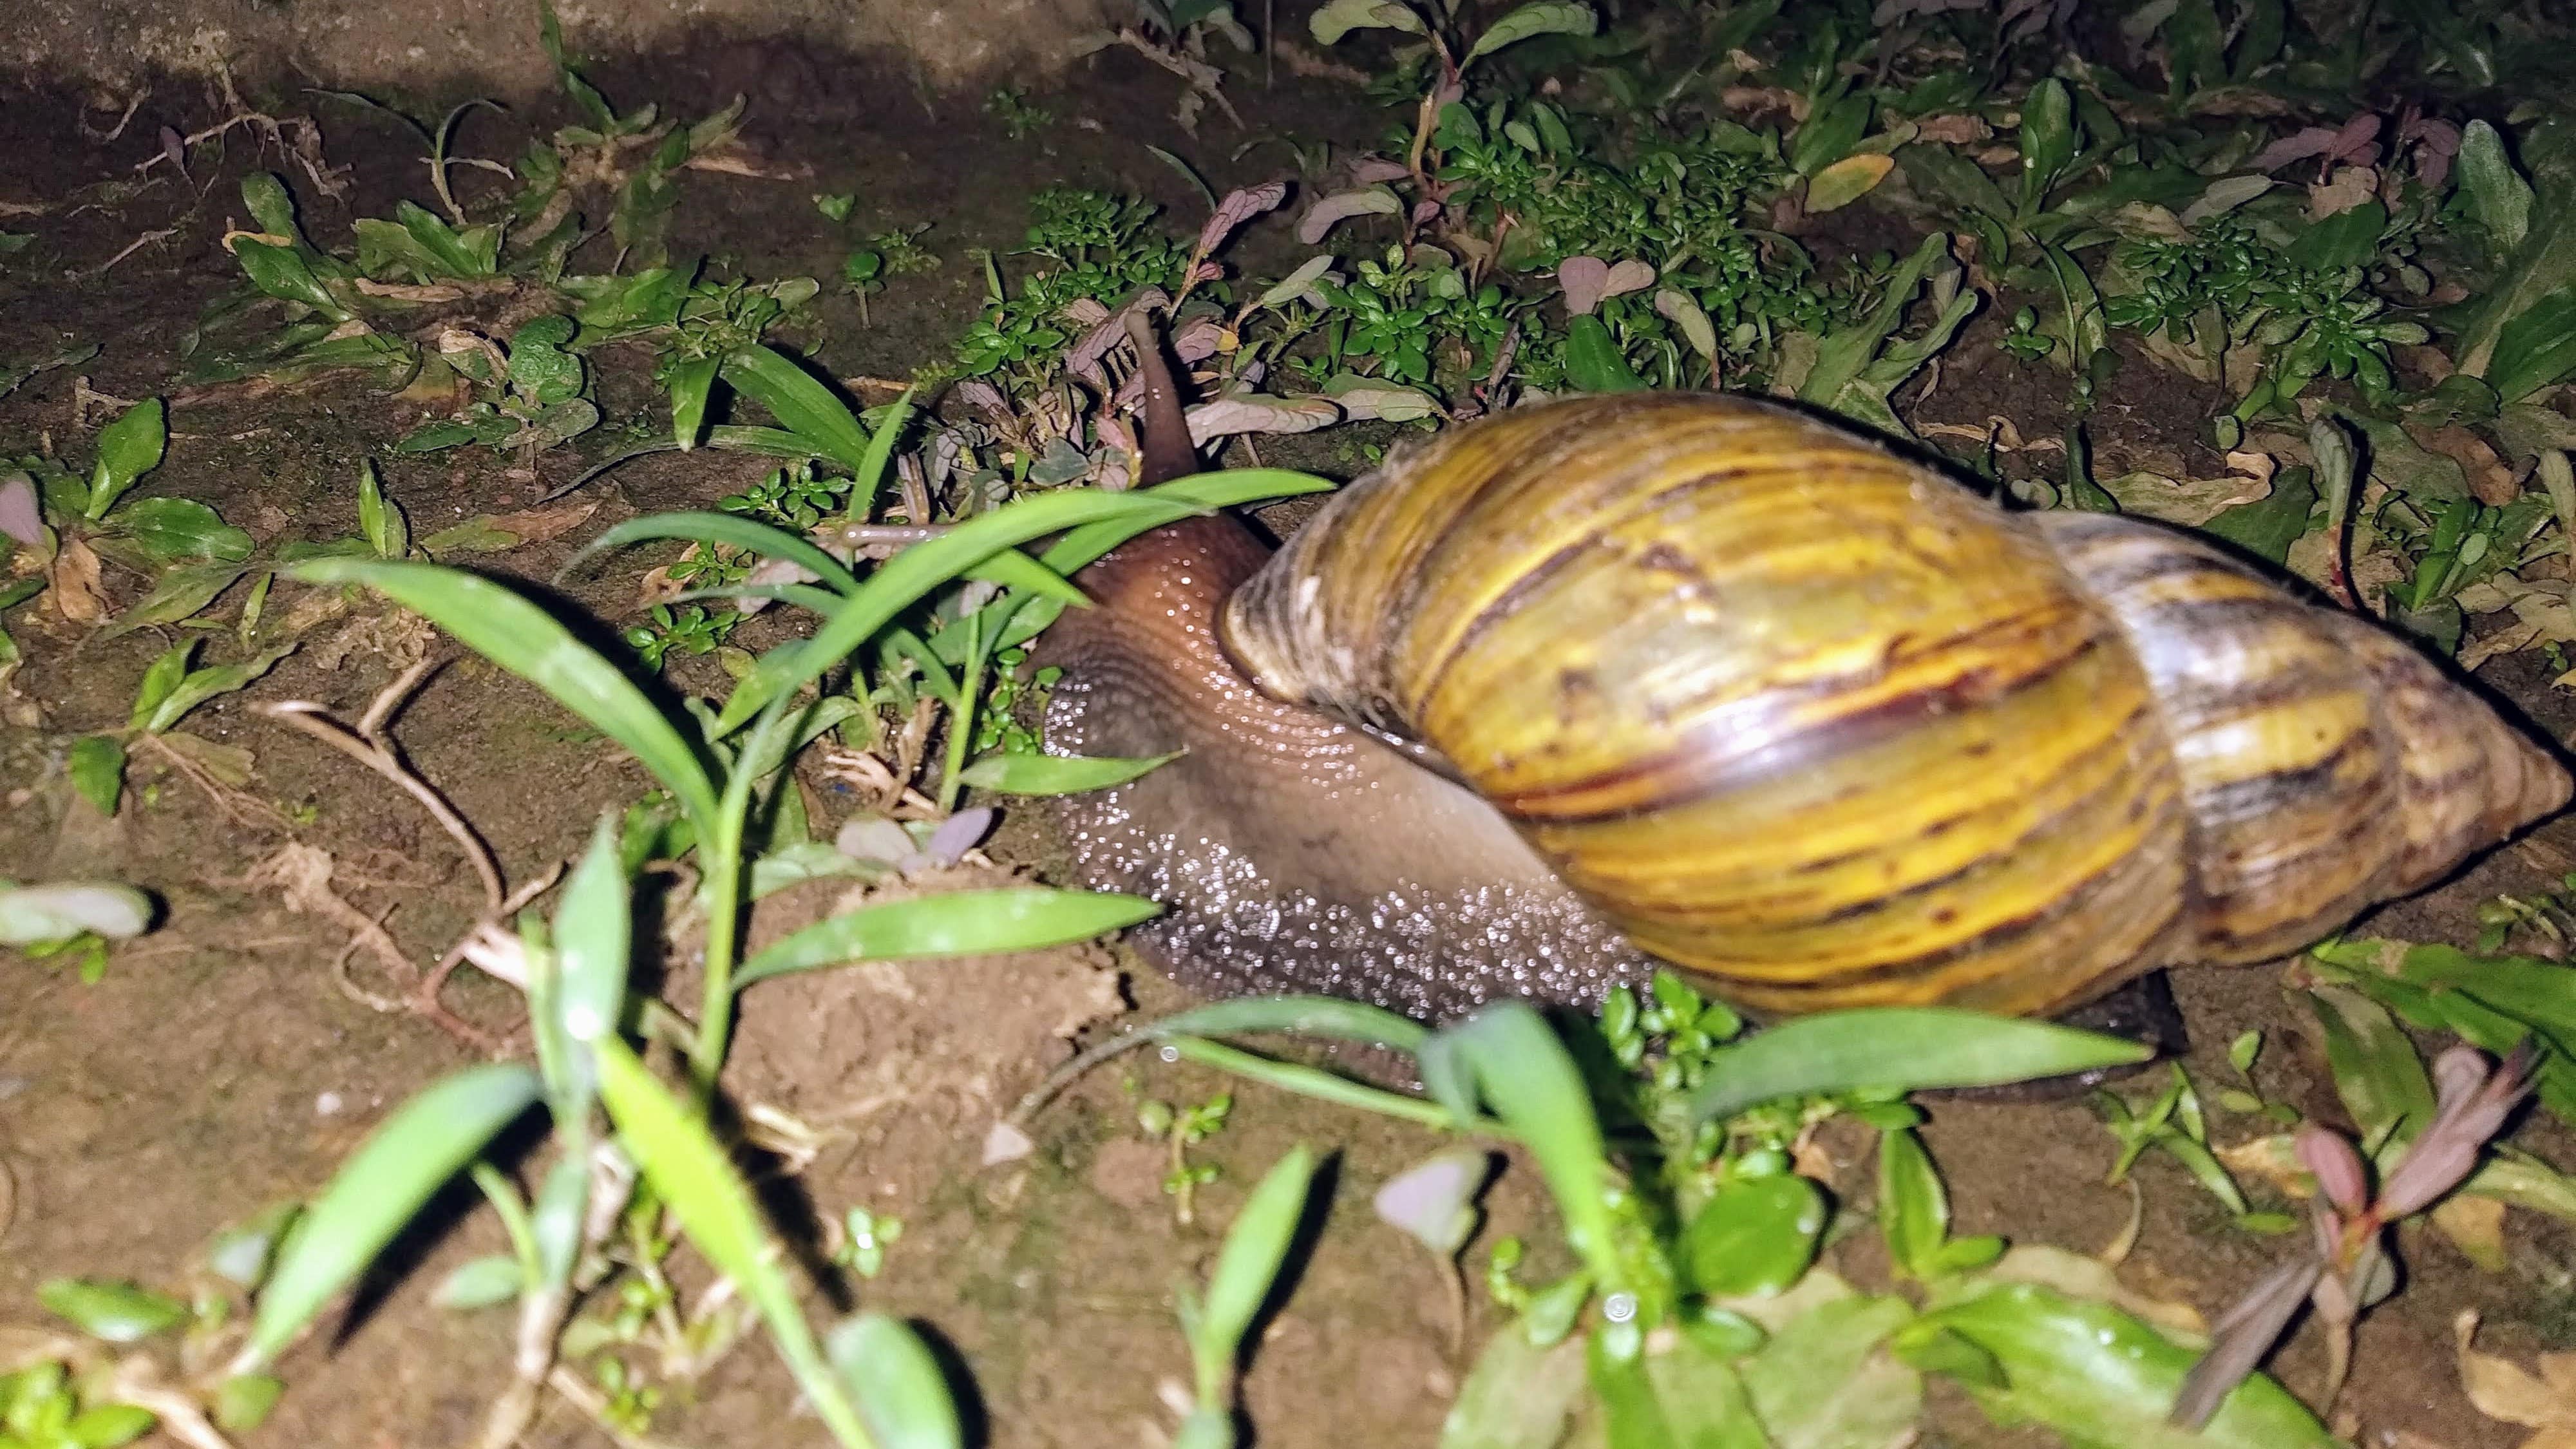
(1292, 853)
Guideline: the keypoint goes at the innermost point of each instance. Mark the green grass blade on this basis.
(1054, 774)
(1015, 570)
(768, 442)
(801, 402)
(872, 467)
(1323, 1086)
(1323, 1016)
(726, 528)
(1223, 489)
(1900, 1048)
(689, 1171)
(594, 931)
(960, 923)
(531, 643)
(1246, 1267)
(901, 1392)
(916, 571)
(386, 1181)
(1525, 1074)
(691, 384)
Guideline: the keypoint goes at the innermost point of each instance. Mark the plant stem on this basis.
(722, 857)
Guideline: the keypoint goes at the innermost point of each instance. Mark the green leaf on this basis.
(96, 764)
(804, 405)
(381, 519)
(62, 910)
(692, 381)
(182, 593)
(242, 1401)
(909, 575)
(524, 639)
(731, 529)
(1525, 1074)
(2537, 349)
(676, 1155)
(204, 684)
(1225, 488)
(110, 1312)
(109, 1425)
(1337, 18)
(900, 1391)
(2349, 238)
(2377, 1072)
(1543, 17)
(1256, 1245)
(485, 1282)
(282, 274)
(387, 1180)
(176, 530)
(2101, 1377)
(1821, 1381)
(956, 923)
(1913, 1211)
(266, 199)
(1900, 1048)
(160, 680)
(1518, 1396)
(1054, 774)
(2047, 139)
(585, 989)
(127, 449)
(1593, 361)
(2498, 198)
(2269, 525)
(1755, 1236)
(2543, 261)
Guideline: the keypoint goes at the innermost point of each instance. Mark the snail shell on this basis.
(1773, 705)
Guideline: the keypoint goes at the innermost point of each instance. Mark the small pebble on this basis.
(327, 1105)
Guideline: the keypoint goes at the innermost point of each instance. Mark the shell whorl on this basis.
(1829, 730)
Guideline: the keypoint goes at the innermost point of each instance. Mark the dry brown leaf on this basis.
(536, 525)
(2079, 1276)
(2489, 476)
(2273, 1159)
(2475, 1226)
(227, 765)
(1960, 130)
(2504, 1390)
(71, 583)
(2349, 187)
(2188, 501)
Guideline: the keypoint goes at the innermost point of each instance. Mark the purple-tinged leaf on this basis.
(1239, 206)
(1627, 276)
(2240, 1340)
(1584, 280)
(1342, 205)
(957, 834)
(1198, 340)
(1255, 413)
(1424, 210)
(21, 517)
(1371, 170)
(2337, 1167)
(2471, 1113)
(1084, 312)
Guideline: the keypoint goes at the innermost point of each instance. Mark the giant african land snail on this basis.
(1704, 677)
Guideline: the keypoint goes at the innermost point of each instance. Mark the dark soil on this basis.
(218, 1068)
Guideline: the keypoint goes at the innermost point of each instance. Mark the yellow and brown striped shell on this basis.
(1817, 724)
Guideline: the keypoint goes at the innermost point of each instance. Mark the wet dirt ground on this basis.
(220, 1066)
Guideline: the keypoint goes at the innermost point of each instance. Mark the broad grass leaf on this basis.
(900, 1391)
(1055, 774)
(958, 923)
(205, 684)
(387, 1180)
(1900, 1048)
(1256, 1246)
(802, 403)
(524, 639)
(692, 382)
(1224, 489)
(908, 576)
(1526, 1075)
(2377, 1071)
(1847, 181)
(2099, 1376)
(732, 530)
(177, 530)
(688, 1170)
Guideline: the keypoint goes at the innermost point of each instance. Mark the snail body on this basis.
(1702, 680)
